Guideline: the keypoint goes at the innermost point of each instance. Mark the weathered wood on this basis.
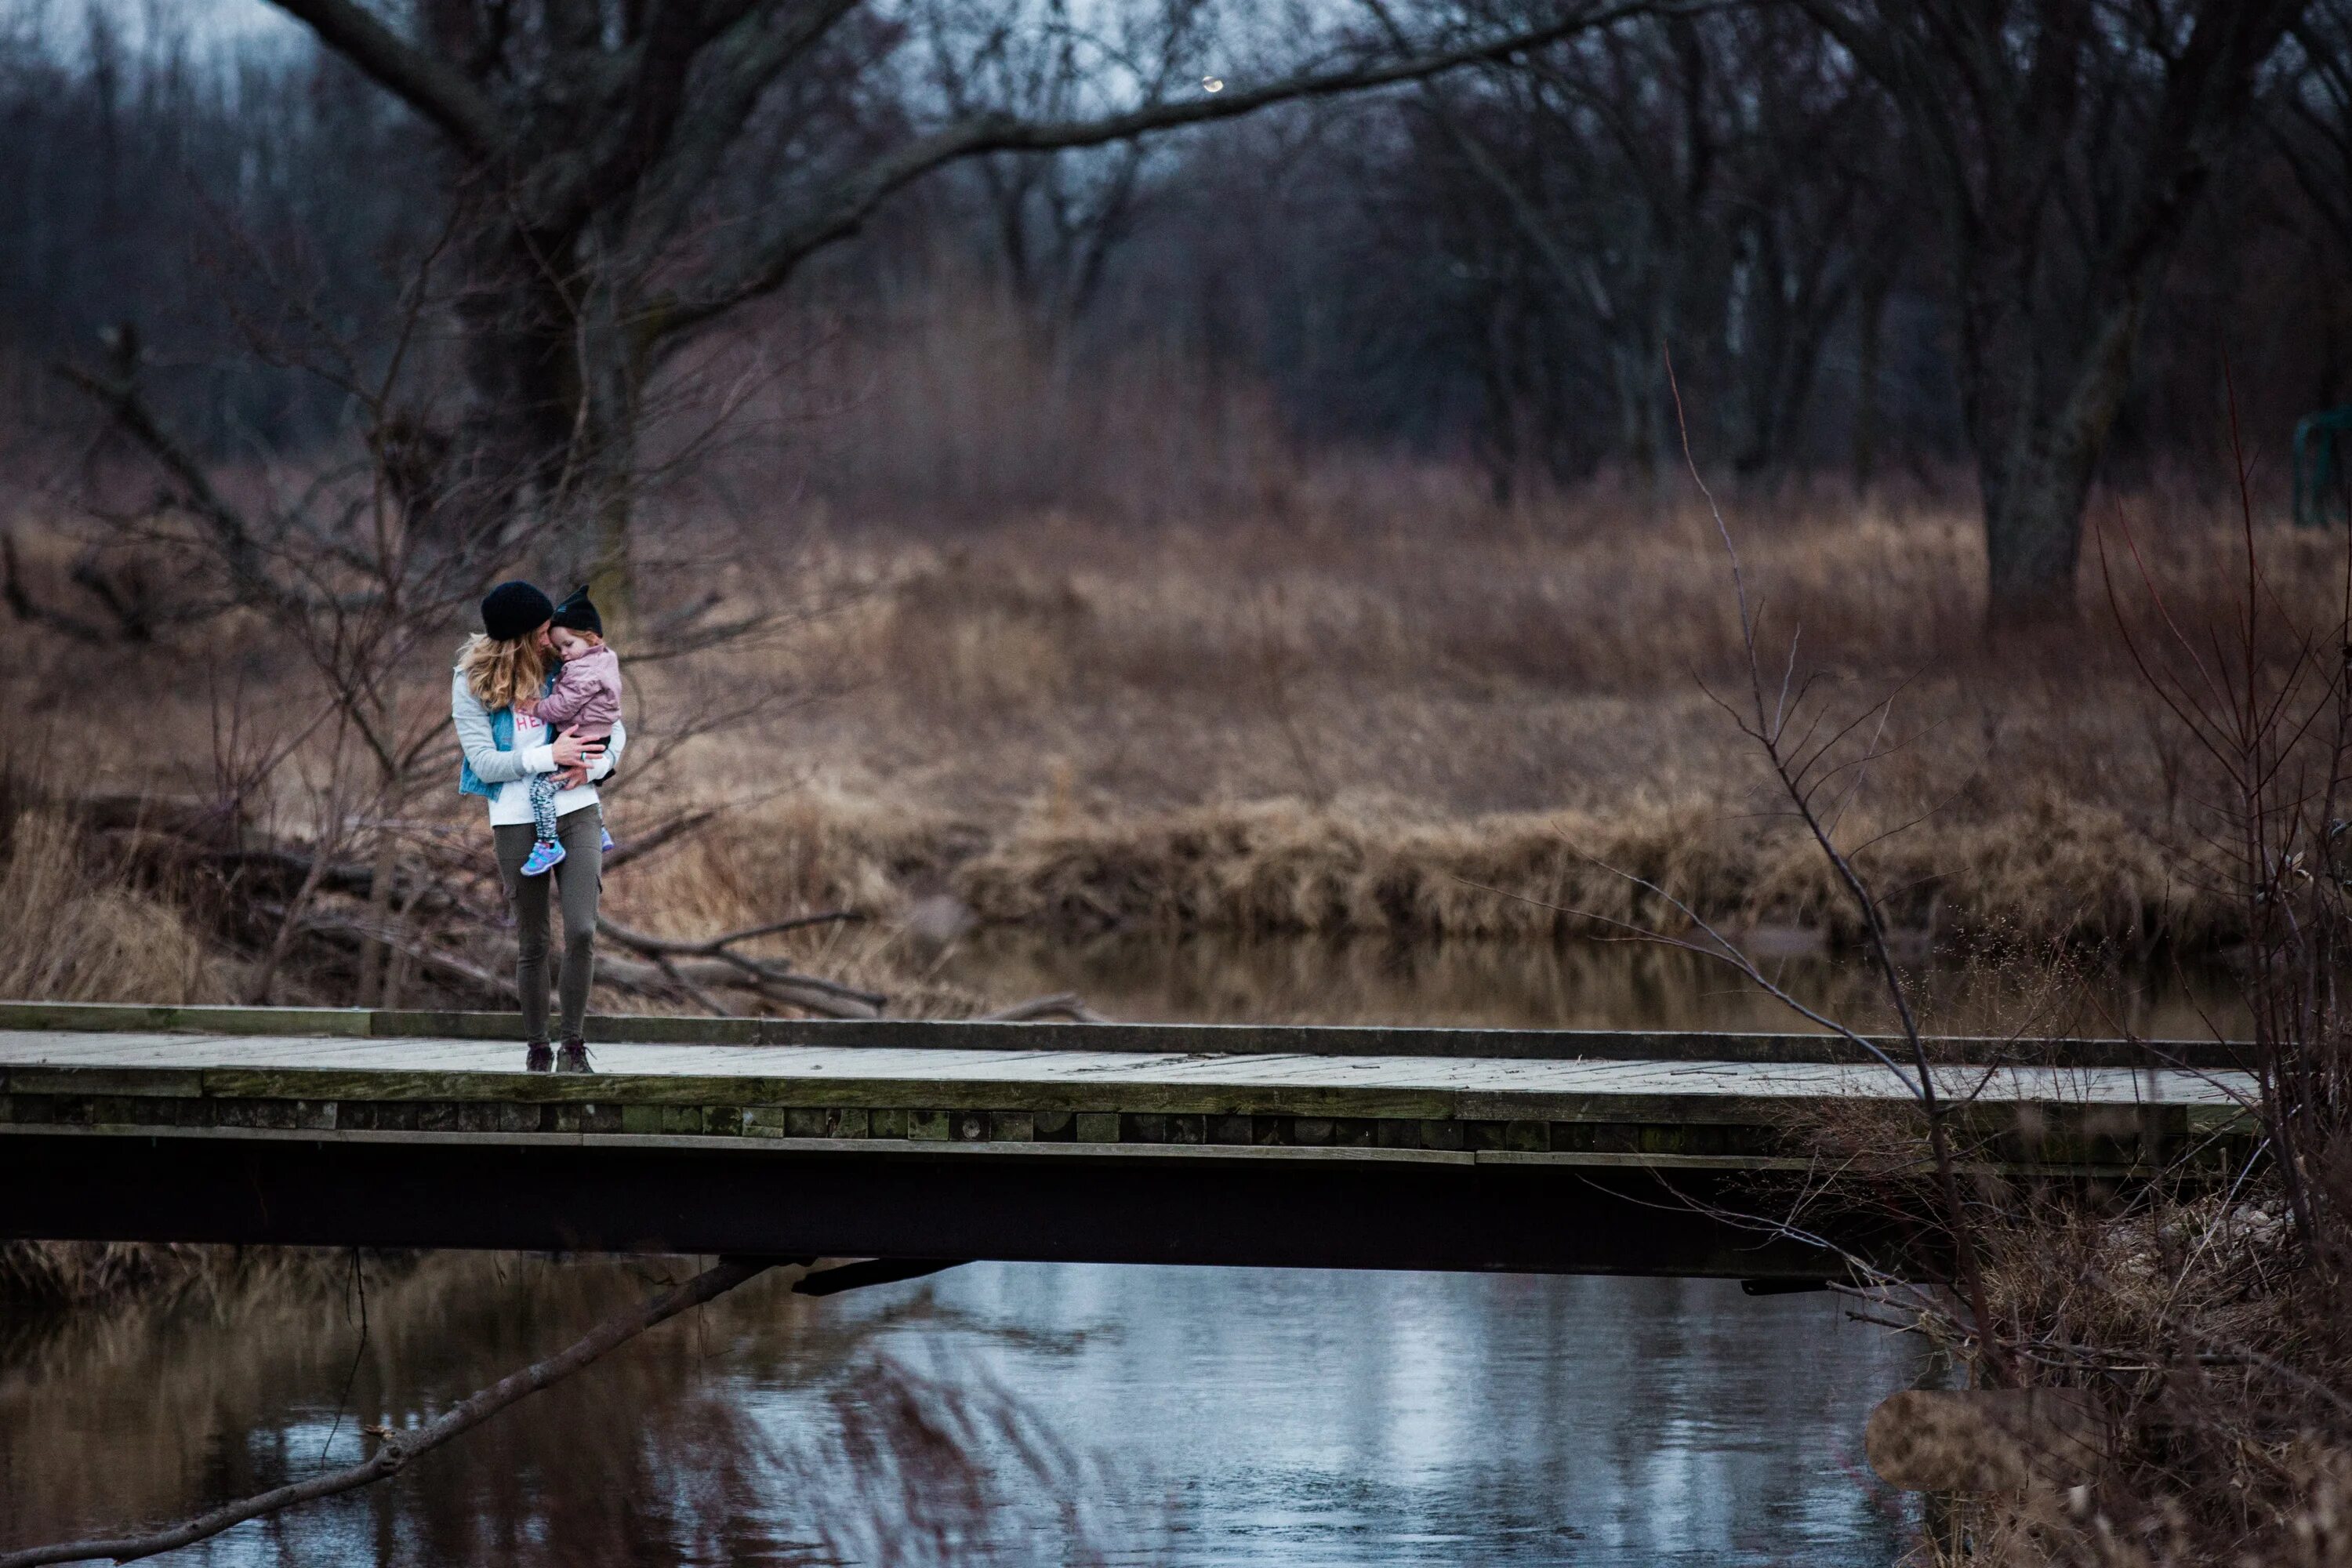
(1330, 1040)
(1031, 1133)
(1597, 1115)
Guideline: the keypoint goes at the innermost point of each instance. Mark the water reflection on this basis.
(1577, 984)
(998, 1413)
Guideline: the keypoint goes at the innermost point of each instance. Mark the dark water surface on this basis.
(1000, 1412)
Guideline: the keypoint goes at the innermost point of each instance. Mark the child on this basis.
(586, 697)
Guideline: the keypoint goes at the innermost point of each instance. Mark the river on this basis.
(1220, 978)
(1036, 1414)
(1011, 1414)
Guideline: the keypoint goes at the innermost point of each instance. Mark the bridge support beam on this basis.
(1255, 1208)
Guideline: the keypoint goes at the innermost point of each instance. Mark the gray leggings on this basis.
(578, 878)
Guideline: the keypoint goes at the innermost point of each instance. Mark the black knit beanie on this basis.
(512, 610)
(576, 614)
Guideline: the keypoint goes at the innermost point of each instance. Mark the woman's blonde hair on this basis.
(500, 674)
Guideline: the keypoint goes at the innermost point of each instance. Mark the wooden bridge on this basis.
(1540, 1151)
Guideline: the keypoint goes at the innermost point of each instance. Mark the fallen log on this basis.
(715, 961)
(647, 976)
(352, 931)
(1061, 1004)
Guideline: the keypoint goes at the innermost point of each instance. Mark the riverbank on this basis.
(2058, 871)
(1389, 711)
(1465, 725)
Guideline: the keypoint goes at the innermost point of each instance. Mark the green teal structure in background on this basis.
(2322, 467)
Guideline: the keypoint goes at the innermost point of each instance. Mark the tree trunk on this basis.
(1866, 420)
(546, 453)
(2032, 542)
(2038, 450)
(374, 955)
(613, 361)
(522, 385)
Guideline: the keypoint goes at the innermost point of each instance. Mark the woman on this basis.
(509, 660)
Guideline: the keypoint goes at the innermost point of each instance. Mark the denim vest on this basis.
(502, 736)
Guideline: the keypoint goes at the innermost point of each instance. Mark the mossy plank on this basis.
(1441, 1134)
(584, 1117)
(812, 1122)
(132, 1017)
(40, 1078)
(1584, 1107)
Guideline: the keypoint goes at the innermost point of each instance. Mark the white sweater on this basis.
(509, 773)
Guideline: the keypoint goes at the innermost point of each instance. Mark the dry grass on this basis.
(1321, 720)
(74, 933)
(1344, 716)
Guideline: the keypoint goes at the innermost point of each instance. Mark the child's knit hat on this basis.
(577, 615)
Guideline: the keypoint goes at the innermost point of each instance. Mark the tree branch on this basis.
(713, 962)
(744, 62)
(427, 84)
(232, 537)
(854, 198)
(713, 947)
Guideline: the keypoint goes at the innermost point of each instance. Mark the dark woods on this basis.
(1873, 241)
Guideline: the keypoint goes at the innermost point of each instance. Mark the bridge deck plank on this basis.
(1470, 1076)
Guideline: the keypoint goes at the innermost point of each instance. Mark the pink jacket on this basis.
(587, 695)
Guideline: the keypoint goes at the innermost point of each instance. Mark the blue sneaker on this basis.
(545, 856)
(608, 840)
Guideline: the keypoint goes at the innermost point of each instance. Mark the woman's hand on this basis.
(574, 757)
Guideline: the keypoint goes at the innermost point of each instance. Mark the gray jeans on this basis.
(578, 878)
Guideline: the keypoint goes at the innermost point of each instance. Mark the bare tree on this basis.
(1055, 221)
(1714, 185)
(598, 154)
(2065, 143)
(2311, 115)
(337, 558)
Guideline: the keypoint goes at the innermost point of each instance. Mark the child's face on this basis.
(570, 644)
